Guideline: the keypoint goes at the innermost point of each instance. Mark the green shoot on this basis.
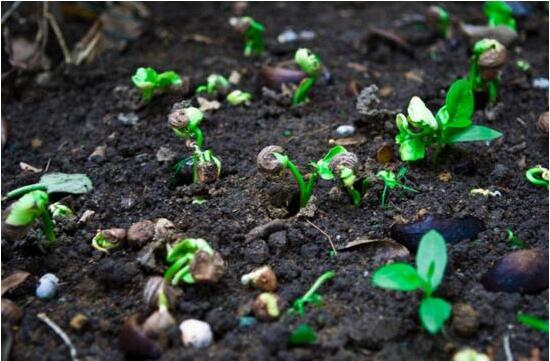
(344, 166)
(523, 65)
(59, 210)
(180, 257)
(206, 166)
(147, 80)
(392, 181)
(28, 208)
(215, 83)
(238, 97)
(311, 296)
(499, 13)
(431, 261)
(253, 33)
(440, 17)
(420, 130)
(310, 64)
(185, 123)
(108, 240)
(302, 335)
(488, 57)
(533, 322)
(514, 241)
(538, 176)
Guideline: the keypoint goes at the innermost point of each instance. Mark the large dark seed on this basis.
(274, 77)
(134, 342)
(453, 230)
(524, 271)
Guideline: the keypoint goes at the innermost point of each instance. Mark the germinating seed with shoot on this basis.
(238, 97)
(345, 166)
(206, 166)
(391, 181)
(499, 13)
(420, 129)
(193, 260)
(215, 84)
(253, 33)
(538, 176)
(311, 296)
(439, 20)
(310, 64)
(185, 122)
(431, 261)
(488, 58)
(59, 210)
(26, 210)
(109, 239)
(147, 80)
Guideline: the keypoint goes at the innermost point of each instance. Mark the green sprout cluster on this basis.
(311, 297)
(310, 64)
(431, 260)
(538, 176)
(215, 83)
(28, 208)
(180, 257)
(499, 13)
(490, 82)
(420, 129)
(147, 80)
(391, 181)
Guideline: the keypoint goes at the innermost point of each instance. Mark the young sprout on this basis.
(193, 260)
(438, 18)
(431, 260)
(392, 181)
(271, 160)
(533, 322)
(185, 122)
(253, 33)
(59, 210)
(238, 97)
(302, 335)
(108, 239)
(27, 209)
(310, 64)
(499, 13)
(488, 58)
(147, 80)
(215, 83)
(345, 166)
(311, 296)
(515, 241)
(161, 320)
(523, 65)
(538, 176)
(206, 166)
(420, 130)
(267, 306)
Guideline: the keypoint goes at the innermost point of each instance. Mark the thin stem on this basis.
(26, 189)
(319, 282)
(304, 197)
(198, 137)
(384, 195)
(48, 226)
(304, 87)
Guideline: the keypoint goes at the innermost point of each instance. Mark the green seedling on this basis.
(59, 210)
(514, 241)
(488, 58)
(27, 209)
(499, 13)
(391, 181)
(180, 257)
(77, 183)
(108, 239)
(206, 166)
(302, 335)
(147, 80)
(533, 322)
(271, 160)
(215, 83)
(253, 33)
(431, 260)
(523, 65)
(452, 124)
(185, 123)
(310, 64)
(238, 97)
(440, 17)
(538, 176)
(311, 297)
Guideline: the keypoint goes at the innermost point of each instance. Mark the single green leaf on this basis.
(77, 183)
(324, 172)
(302, 335)
(433, 313)
(533, 322)
(169, 78)
(431, 259)
(397, 276)
(475, 133)
(412, 149)
(460, 103)
(420, 114)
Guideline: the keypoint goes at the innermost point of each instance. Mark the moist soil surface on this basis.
(76, 111)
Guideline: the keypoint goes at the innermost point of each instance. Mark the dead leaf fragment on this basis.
(36, 143)
(414, 75)
(384, 249)
(234, 77)
(357, 67)
(445, 176)
(25, 167)
(206, 105)
(359, 139)
(199, 38)
(386, 90)
(13, 280)
(88, 213)
(384, 154)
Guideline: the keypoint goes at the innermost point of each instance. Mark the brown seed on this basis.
(78, 322)
(384, 154)
(165, 230)
(134, 342)
(158, 323)
(275, 77)
(153, 287)
(140, 233)
(465, 319)
(207, 268)
(10, 311)
(177, 118)
(207, 173)
(267, 306)
(262, 278)
(266, 161)
(347, 160)
(115, 236)
(542, 122)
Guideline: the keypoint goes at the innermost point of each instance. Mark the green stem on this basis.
(48, 226)
(319, 282)
(26, 189)
(384, 195)
(304, 87)
(174, 268)
(198, 137)
(355, 196)
(304, 196)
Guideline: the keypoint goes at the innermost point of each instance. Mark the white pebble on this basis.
(540, 83)
(345, 130)
(128, 118)
(287, 36)
(47, 286)
(196, 333)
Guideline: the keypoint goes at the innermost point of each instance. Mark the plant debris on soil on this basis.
(86, 119)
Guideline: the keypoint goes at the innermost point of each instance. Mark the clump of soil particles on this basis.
(274, 181)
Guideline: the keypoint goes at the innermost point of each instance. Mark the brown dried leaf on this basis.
(384, 154)
(384, 249)
(414, 75)
(14, 280)
(359, 139)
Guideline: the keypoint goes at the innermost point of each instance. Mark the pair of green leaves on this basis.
(499, 13)
(181, 255)
(431, 260)
(147, 80)
(452, 124)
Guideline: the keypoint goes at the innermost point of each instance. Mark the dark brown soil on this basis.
(76, 112)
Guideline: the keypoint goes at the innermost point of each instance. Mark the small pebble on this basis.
(540, 83)
(196, 333)
(128, 118)
(345, 130)
(306, 35)
(78, 322)
(98, 154)
(247, 322)
(47, 286)
(287, 36)
(165, 154)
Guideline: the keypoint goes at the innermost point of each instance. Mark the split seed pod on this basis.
(108, 239)
(267, 306)
(266, 161)
(156, 285)
(207, 267)
(178, 118)
(491, 61)
(347, 160)
(262, 278)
